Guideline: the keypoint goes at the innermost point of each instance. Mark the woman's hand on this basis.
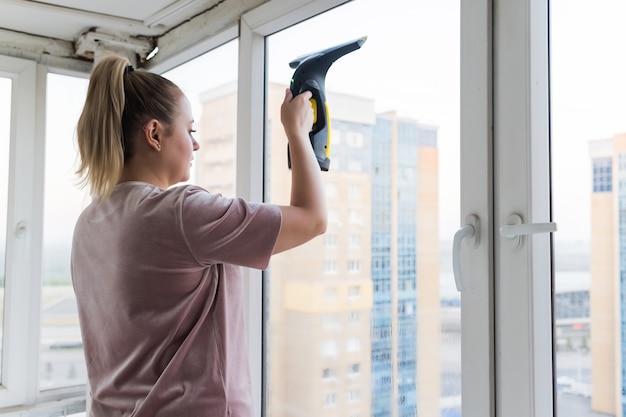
(305, 217)
(296, 114)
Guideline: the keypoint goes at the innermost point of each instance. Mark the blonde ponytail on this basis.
(119, 102)
(99, 130)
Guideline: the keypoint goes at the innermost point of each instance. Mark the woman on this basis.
(156, 268)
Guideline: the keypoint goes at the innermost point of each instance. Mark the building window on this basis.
(331, 323)
(355, 369)
(335, 137)
(353, 345)
(333, 217)
(354, 241)
(355, 166)
(355, 217)
(328, 374)
(330, 293)
(354, 139)
(61, 360)
(354, 266)
(353, 317)
(331, 190)
(330, 400)
(330, 267)
(602, 175)
(329, 348)
(354, 191)
(330, 240)
(354, 395)
(354, 291)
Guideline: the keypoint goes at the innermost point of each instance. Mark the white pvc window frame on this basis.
(478, 384)
(478, 369)
(505, 170)
(20, 376)
(523, 276)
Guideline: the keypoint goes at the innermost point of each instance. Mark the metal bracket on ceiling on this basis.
(93, 43)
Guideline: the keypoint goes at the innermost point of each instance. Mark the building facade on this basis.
(405, 191)
(608, 275)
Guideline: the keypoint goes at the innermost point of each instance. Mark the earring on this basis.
(158, 145)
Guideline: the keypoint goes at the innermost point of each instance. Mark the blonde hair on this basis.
(119, 102)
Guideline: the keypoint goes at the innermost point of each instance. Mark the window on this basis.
(602, 174)
(353, 316)
(354, 395)
(62, 362)
(22, 293)
(354, 191)
(335, 137)
(330, 240)
(330, 266)
(354, 369)
(355, 216)
(330, 293)
(354, 165)
(330, 400)
(330, 322)
(329, 348)
(354, 291)
(354, 241)
(354, 266)
(331, 190)
(588, 140)
(354, 139)
(214, 105)
(353, 345)
(367, 215)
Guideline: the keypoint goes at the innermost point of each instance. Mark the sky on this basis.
(410, 64)
(588, 83)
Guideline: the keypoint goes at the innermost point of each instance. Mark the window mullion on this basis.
(524, 368)
(477, 313)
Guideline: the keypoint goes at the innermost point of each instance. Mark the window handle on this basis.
(515, 229)
(469, 231)
(20, 228)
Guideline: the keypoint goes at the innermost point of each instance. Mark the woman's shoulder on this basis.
(190, 192)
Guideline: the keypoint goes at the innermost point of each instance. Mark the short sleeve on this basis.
(229, 230)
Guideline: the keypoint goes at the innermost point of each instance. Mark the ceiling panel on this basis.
(70, 32)
(137, 10)
(68, 19)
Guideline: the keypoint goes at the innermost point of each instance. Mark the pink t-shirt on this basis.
(159, 290)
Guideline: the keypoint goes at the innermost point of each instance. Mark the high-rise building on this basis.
(215, 161)
(353, 316)
(405, 315)
(608, 275)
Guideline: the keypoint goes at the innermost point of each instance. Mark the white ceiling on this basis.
(57, 29)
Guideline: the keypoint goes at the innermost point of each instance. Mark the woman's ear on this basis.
(151, 134)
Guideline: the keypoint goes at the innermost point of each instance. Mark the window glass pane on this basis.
(62, 362)
(365, 321)
(589, 199)
(5, 142)
(210, 84)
